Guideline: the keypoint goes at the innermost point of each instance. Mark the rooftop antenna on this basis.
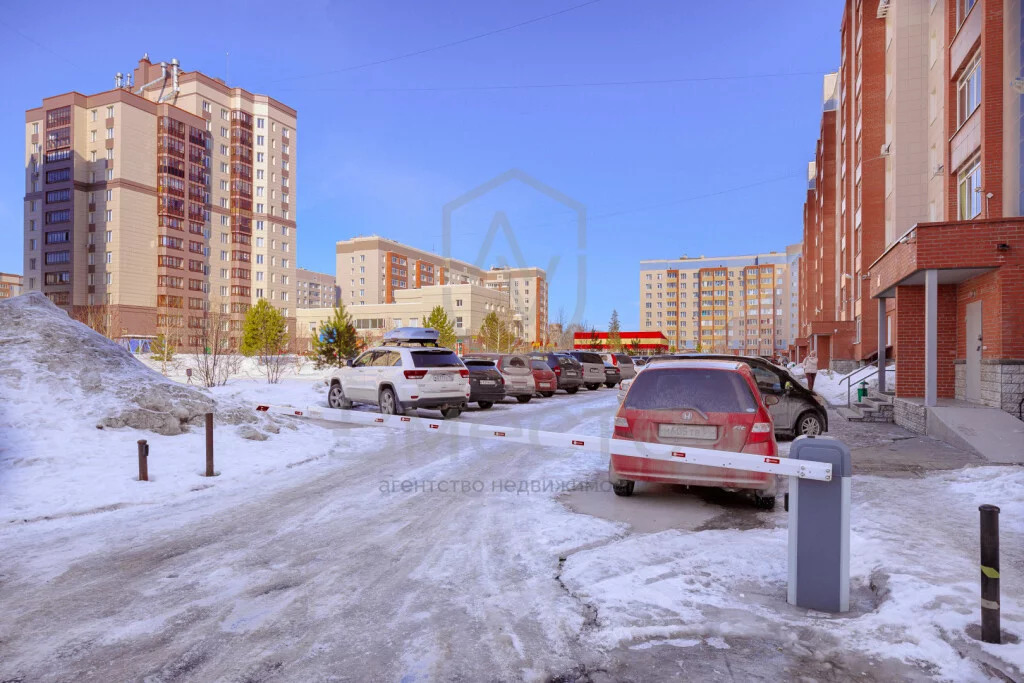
(227, 67)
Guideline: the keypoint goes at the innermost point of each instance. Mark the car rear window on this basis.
(435, 358)
(623, 358)
(471, 363)
(710, 391)
(514, 362)
(539, 365)
(567, 361)
(590, 358)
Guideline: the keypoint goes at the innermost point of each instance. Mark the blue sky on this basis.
(709, 166)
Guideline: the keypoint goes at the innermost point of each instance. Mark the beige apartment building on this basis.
(723, 304)
(315, 290)
(466, 304)
(154, 203)
(10, 285)
(374, 270)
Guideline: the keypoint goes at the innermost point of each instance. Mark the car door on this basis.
(357, 381)
(770, 384)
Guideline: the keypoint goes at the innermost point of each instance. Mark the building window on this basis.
(110, 112)
(969, 91)
(962, 8)
(969, 184)
(110, 133)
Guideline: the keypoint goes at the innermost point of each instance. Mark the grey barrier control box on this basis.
(819, 529)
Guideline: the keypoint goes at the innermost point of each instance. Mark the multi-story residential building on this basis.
(937, 234)
(315, 290)
(372, 270)
(466, 304)
(10, 285)
(738, 304)
(160, 200)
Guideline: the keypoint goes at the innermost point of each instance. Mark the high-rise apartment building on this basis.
(315, 290)
(371, 270)
(928, 204)
(10, 285)
(723, 304)
(161, 200)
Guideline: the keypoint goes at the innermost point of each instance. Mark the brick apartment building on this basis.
(928, 158)
(372, 270)
(160, 202)
(10, 285)
(315, 290)
(723, 304)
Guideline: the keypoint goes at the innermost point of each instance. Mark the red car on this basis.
(544, 378)
(702, 404)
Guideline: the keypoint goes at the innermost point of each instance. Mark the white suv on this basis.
(406, 372)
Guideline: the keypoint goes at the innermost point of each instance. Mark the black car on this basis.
(566, 368)
(612, 375)
(799, 410)
(486, 385)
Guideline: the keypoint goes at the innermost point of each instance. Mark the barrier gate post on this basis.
(819, 529)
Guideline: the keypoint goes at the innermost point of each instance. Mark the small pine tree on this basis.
(493, 334)
(162, 349)
(595, 340)
(335, 341)
(265, 335)
(439, 320)
(614, 336)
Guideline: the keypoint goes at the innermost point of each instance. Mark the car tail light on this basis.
(615, 361)
(760, 432)
(415, 374)
(558, 371)
(622, 428)
(464, 372)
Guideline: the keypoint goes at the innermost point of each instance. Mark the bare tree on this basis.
(99, 318)
(215, 361)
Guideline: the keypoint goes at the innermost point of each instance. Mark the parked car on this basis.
(566, 368)
(593, 368)
(515, 370)
(623, 362)
(702, 404)
(799, 411)
(639, 361)
(612, 375)
(408, 371)
(486, 385)
(544, 378)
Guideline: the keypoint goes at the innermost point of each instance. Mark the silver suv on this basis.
(408, 371)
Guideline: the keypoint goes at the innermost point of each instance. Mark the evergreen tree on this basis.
(595, 340)
(335, 340)
(161, 348)
(494, 333)
(439, 320)
(265, 335)
(614, 338)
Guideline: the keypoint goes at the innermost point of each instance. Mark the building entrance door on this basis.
(972, 391)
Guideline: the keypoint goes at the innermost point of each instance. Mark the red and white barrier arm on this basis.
(805, 469)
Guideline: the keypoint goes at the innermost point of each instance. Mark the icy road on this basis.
(365, 565)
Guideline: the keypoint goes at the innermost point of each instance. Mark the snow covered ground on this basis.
(303, 561)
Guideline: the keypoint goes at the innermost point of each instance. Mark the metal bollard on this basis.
(143, 464)
(819, 529)
(209, 444)
(990, 574)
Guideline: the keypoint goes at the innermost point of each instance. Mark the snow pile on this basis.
(61, 366)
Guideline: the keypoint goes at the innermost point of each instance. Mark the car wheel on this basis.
(764, 502)
(451, 413)
(547, 394)
(623, 487)
(336, 397)
(484, 405)
(809, 424)
(571, 390)
(388, 402)
(592, 387)
(523, 399)
(610, 385)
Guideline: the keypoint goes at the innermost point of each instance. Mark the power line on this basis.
(443, 46)
(35, 42)
(582, 84)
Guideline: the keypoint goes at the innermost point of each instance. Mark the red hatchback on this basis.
(701, 404)
(544, 378)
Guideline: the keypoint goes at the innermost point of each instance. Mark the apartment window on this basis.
(260, 174)
(969, 184)
(260, 157)
(110, 236)
(962, 9)
(969, 90)
(109, 215)
(110, 112)
(110, 195)
(260, 123)
(92, 136)
(92, 155)
(110, 133)
(223, 168)
(259, 259)
(110, 174)
(223, 132)
(206, 106)
(110, 155)
(261, 140)
(110, 257)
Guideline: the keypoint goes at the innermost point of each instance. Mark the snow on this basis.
(914, 582)
(834, 390)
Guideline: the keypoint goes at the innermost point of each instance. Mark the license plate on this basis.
(545, 385)
(594, 371)
(443, 377)
(571, 373)
(705, 432)
(487, 381)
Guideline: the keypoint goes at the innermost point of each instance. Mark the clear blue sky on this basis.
(661, 168)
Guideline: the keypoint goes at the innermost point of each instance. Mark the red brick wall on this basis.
(948, 324)
(910, 341)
